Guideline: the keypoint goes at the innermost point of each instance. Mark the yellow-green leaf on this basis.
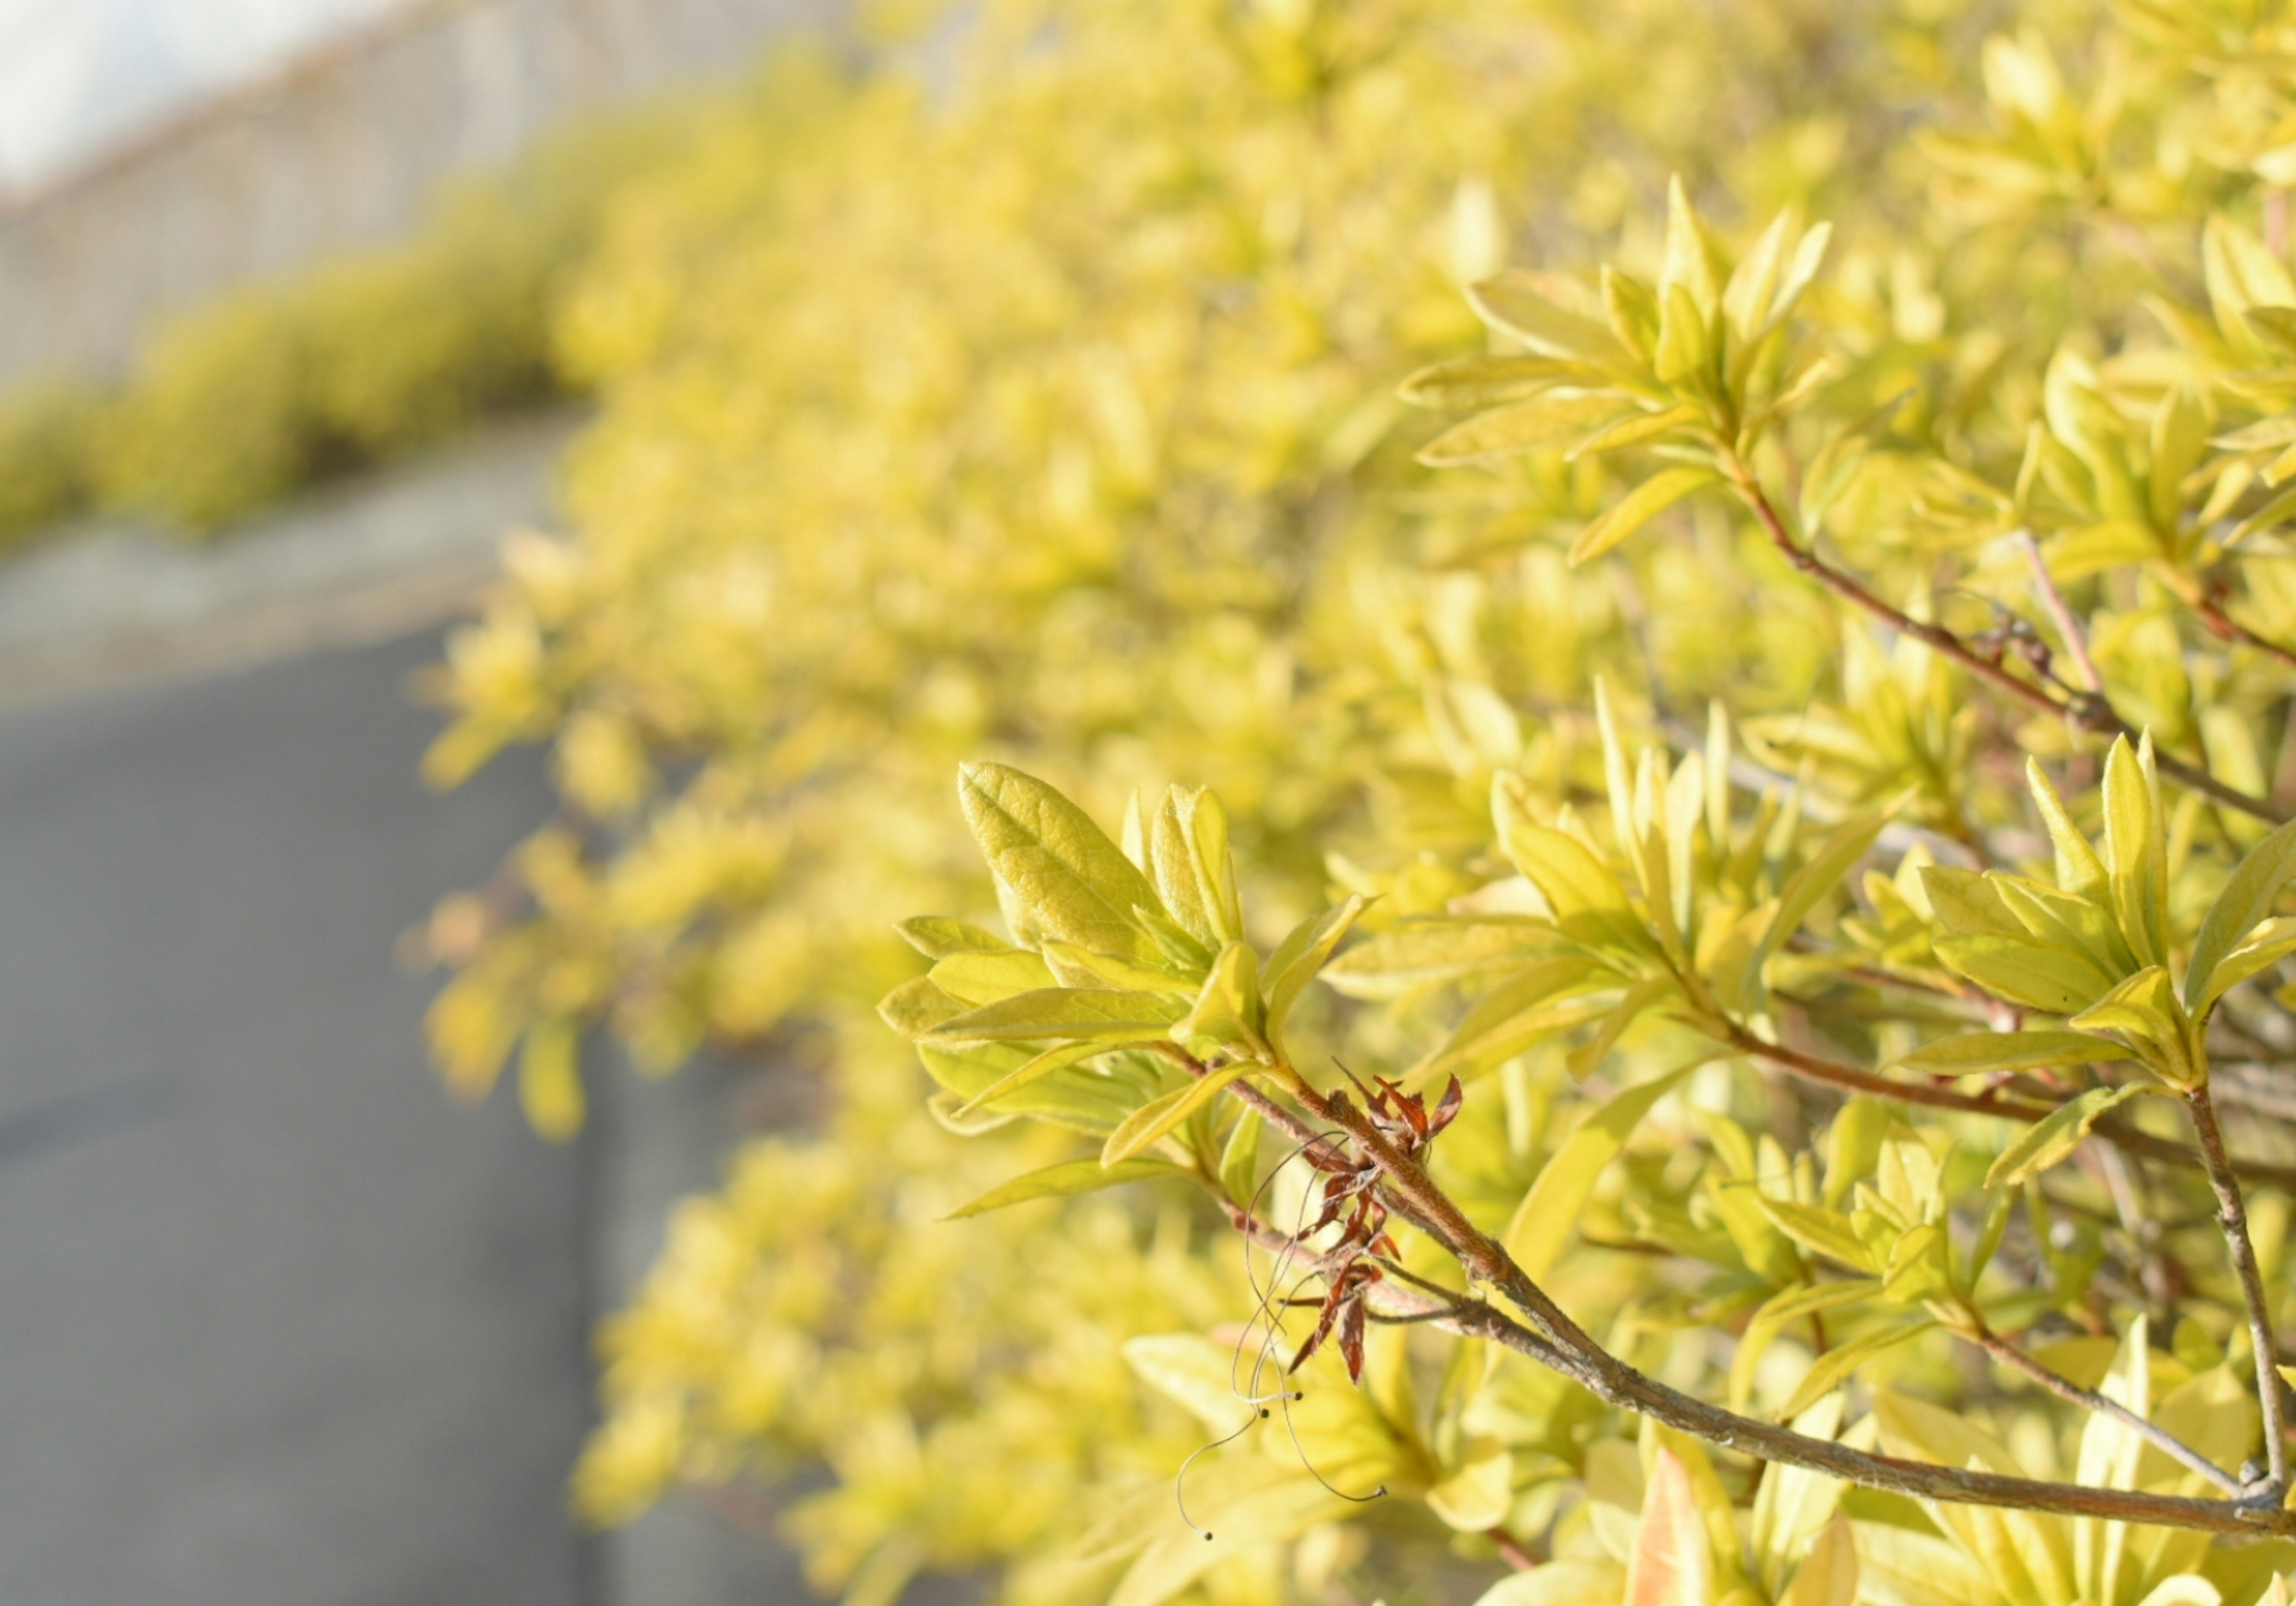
(2049, 1140)
(1822, 1232)
(1160, 1116)
(1835, 1367)
(1553, 422)
(1062, 1180)
(2079, 871)
(2246, 900)
(2135, 856)
(1974, 1052)
(1067, 1013)
(1513, 304)
(1228, 1011)
(1487, 381)
(1302, 956)
(1542, 1222)
(1637, 508)
(1059, 1057)
(936, 937)
(1776, 1313)
(1072, 881)
(2025, 971)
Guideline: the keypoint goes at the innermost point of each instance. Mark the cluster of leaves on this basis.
(367, 357)
(1896, 1058)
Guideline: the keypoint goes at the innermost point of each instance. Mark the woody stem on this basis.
(2232, 1216)
(2089, 710)
(1559, 1343)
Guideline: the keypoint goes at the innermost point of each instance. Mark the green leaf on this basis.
(2269, 943)
(1068, 1178)
(916, 1006)
(1833, 1367)
(1975, 1052)
(1063, 1014)
(2047, 1142)
(2025, 971)
(1430, 951)
(1540, 1001)
(1059, 1057)
(1779, 1311)
(1638, 427)
(1487, 381)
(1967, 901)
(1853, 1146)
(1584, 1060)
(1155, 1119)
(1195, 876)
(1072, 881)
(1637, 508)
(1691, 262)
(1513, 304)
(2179, 439)
(1685, 341)
(2246, 900)
(936, 937)
(1542, 1222)
(1746, 298)
(976, 978)
(1238, 1165)
(1565, 871)
(2079, 871)
(2135, 856)
(1070, 965)
(1301, 957)
(1809, 256)
(1228, 1012)
(1822, 1232)
(1553, 422)
(1835, 857)
(1631, 309)
(2277, 510)
(1089, 1102)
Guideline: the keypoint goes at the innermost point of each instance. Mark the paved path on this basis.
(279, 1325)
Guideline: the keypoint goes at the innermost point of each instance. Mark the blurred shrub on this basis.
(48, 435)
(218, 420)
(235, 403)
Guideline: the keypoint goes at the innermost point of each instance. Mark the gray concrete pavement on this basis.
(278, 1322)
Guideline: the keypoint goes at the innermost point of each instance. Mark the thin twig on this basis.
(2195, 595)
(2068, 627)
(2232, 1214)
(1849, 1079)
(2088, 711)
(1512, 1550)
(2002, 1350)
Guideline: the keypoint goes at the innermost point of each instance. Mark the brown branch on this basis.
(2232, 1214)
(2195, 595)
(1562, 1346)
(1512, 1549)
(1849, 1079)
(2068, 627)
(2088, 711)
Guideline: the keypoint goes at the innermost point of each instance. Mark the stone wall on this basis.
(338, 149)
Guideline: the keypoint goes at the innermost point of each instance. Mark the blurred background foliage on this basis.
(365, 358)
